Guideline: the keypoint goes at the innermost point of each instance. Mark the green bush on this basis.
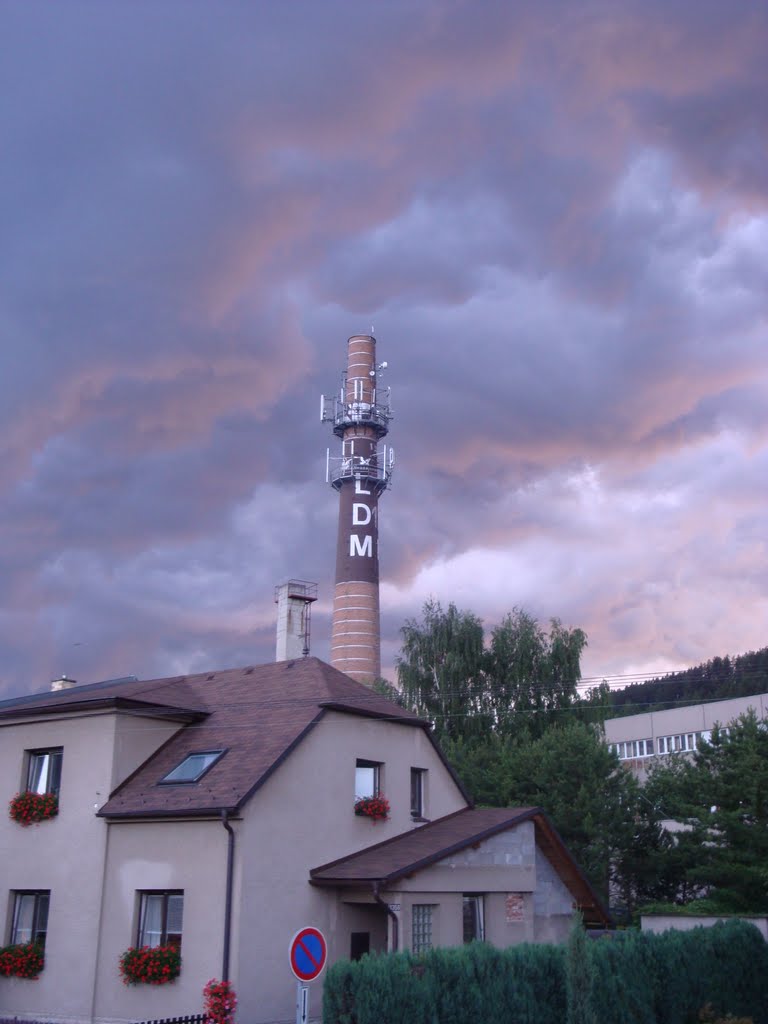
(524, 984)
(666, 979)
(632, 978)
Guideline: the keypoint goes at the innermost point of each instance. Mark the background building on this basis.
(640, 738)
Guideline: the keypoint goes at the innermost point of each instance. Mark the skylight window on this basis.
(193, 767)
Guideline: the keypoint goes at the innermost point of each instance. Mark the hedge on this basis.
(637, 978)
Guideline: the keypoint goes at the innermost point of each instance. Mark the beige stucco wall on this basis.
(302, 818)
(136, 738)
(187, 855)
(65, 855)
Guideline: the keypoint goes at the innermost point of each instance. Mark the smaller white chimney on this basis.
(294, 613)
(63, 682)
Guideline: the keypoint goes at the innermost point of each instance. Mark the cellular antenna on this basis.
(361, 472)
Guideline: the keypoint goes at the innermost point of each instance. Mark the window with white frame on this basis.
(44, 770)
(30, 916)
(421, 927)
(367, 778)
(474, 917)
(680, 743)
(631, 749)
(161, 915)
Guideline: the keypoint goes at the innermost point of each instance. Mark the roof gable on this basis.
(258, 714)
(385, 863)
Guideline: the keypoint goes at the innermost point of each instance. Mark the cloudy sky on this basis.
(555, 216)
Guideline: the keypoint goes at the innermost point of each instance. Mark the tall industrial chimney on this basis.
(360, 414)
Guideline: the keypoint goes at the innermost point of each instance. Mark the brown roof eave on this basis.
(445, 851)
(278, 761)
(449, 767)
(196, 812)
(350, 709)
(345, 883)
(461, 844)
(105, 703)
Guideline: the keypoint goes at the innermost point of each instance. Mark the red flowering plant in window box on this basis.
(220, 1002)
(150, 965)
(29, 807)
(22, 961)
(374, 807)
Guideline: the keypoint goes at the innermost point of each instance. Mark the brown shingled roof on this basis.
(387, 862)
(258, 714)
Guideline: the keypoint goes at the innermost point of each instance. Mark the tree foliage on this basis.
(441, 670)
(569, 772)
(720, 795)
(519, 681)
(717, 679)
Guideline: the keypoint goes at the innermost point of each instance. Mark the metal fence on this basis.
(191, 1018)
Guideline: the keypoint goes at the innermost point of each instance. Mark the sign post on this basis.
(302, 1003)
(307, 953)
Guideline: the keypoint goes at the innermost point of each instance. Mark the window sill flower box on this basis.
(150, 965)
(29, 808)
(376, 808)
(22, 961)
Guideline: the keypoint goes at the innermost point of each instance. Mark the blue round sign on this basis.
(307, 953)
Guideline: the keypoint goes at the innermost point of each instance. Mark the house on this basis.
(641, 739)
(216, 812)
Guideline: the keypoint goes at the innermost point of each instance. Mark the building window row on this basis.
(678, 743)
(369, 778)
(682, 742)
(160, 917)
(633, 748)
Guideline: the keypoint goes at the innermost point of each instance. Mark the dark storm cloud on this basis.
(554, 217)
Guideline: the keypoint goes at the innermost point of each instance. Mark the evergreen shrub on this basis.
(524, 984)
(668, 978)
(636, 977)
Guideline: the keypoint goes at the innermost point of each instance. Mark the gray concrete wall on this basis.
(524, 898)
(553, 903)
(696, 718)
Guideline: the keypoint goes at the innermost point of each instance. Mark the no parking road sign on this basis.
(307, 953)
